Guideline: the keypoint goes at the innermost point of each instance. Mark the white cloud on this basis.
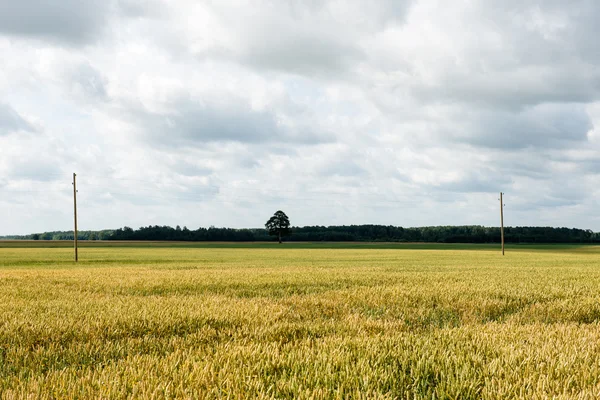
(218, 113)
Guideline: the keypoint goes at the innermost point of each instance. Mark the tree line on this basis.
(63, 235)
(342, 233)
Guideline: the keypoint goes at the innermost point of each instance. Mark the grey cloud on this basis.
(550, 198)
(559, 189)
(235, 155)
(247, 162)
(315, 38)
(557, 202)
(71, 21)
(178, 190)
(199, 123)
(514, 54)
(544, 31)
(11, 121)
(282, 150)
(532, 205)
(194, 123)
(140, 8)
(583, 164)
(364, 15)
(543, 126)
(190, 169)
(477, 182)
(41, 170)
(342, 168)
(306, 53)
(514, 88)
(591, 166)
(524, 163)
(89, 81)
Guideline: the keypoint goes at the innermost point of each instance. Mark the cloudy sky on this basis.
(220, 112)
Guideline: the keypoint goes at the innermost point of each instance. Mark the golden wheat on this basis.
(310, 323)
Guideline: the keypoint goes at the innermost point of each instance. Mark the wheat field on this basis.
(291, 322)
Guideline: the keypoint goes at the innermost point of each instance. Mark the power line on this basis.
(299, 195)
(293, 194)
(31, 191)
(296, 197)
(229, 186)
(224, 197)
(198, 196)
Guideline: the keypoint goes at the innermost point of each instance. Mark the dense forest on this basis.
(441, 234)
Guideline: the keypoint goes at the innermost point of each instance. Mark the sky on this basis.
(221, 112)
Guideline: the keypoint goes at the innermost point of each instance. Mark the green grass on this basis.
(300, 320)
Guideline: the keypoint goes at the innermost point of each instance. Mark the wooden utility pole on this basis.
(75, 213)
(502, 221)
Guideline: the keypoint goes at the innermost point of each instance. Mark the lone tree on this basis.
(278, 225)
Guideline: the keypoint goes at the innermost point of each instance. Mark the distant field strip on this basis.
(289, 245)
(269, 321)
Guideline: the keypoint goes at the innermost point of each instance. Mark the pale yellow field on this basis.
(302, 323)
